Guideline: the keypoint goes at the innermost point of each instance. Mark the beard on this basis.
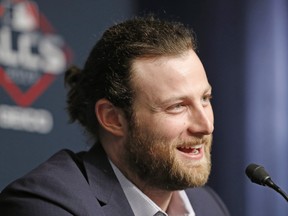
(154, 159)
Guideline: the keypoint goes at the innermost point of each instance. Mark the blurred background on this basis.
(243, 45)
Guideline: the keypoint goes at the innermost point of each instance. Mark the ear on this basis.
(111, 118)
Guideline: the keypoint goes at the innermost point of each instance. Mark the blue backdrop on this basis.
(38, 39)
(267, 101)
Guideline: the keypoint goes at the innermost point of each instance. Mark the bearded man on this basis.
(143, 95)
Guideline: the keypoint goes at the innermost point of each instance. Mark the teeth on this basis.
(195, 151)
(198, 146)
(192, 147)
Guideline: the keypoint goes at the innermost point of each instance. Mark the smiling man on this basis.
(170, 134)
(143, 95)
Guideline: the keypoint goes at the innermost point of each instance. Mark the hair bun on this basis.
(72, 76)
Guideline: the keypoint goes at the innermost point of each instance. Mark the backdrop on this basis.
(243, 46)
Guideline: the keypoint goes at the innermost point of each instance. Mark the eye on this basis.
(176, 108)
(206, 99)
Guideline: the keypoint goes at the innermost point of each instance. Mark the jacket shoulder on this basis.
(56, 187)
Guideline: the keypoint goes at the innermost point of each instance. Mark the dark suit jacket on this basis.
(83, 184)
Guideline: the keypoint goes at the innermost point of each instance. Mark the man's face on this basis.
(170, 134)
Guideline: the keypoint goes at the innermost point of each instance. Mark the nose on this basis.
(201, 121)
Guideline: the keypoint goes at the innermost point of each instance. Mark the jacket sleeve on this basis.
(17, 203)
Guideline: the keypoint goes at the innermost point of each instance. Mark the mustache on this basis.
(193, 141)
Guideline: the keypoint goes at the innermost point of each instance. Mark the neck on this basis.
(160, 197)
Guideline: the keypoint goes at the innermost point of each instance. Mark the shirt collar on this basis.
(142, 205)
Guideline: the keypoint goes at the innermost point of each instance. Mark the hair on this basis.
(107, 71)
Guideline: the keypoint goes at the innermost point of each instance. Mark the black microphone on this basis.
(258, 175)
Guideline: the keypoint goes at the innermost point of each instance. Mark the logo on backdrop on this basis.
(32, 54)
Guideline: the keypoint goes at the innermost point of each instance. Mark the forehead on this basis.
(169, 74)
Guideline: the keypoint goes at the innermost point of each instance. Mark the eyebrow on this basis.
(171, 99)
(208, 89)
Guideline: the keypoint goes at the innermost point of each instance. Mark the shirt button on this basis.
(159, 214)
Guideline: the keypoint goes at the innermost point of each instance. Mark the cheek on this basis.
(169, 127)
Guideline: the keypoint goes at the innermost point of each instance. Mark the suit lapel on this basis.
(104, 184)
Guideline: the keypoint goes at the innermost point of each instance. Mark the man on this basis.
(144, 96)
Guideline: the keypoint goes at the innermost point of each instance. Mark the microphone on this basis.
(258, 175)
